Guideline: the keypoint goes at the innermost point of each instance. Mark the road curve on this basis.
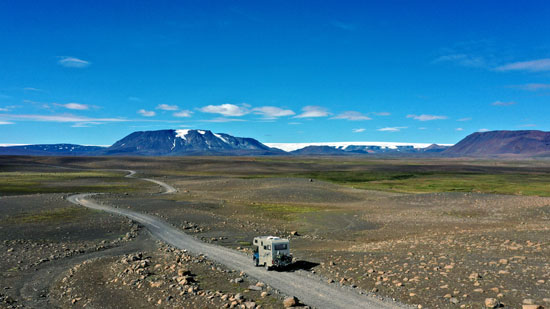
(310, 289)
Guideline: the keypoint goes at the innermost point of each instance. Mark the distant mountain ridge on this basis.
(499, 143)
(187, 142)
(526, 143)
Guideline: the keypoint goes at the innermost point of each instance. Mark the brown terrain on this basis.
(468, 249)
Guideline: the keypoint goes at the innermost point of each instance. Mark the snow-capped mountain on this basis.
(187, 142)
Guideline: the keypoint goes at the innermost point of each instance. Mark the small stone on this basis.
(264, 294)
(453, 300)
(532, 307)
(528, 301)
(290, 302)
(491, 303)
(250, 305)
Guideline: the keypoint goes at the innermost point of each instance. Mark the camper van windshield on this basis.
(280, 247)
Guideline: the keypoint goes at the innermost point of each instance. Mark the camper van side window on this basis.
(268, 247)
(280, 247)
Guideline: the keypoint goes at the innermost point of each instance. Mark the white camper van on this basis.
(271, 252)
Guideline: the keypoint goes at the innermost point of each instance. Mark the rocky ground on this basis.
(166, 278)
(435, 250)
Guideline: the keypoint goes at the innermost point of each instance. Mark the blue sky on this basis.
(91, 72)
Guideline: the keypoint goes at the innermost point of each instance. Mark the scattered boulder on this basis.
(290, 302)
(491, 303)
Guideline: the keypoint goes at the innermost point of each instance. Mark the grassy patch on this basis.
(429, 182)
(13, 183)
(286, 212)
(57, 215)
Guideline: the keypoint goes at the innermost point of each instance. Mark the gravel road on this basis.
(310, 289)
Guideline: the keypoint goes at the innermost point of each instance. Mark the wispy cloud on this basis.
(5, 122)
(528, 125)
(223, 119)
(183, 113)
(229, 110)
(466, 60)
(483, 130)
(391, 129)
(538, 65)
(381, 114)
(352, 115)
(72, 62)
(32, 89)
(359, 130)
(312, 111)
(459, 129)
(533, 87)
(74, 106)
(272, 112)
(146, 113)
(464, 119)
(343, 25)
(425, 117)
(166, 107)
(58, 118)
(500, 103)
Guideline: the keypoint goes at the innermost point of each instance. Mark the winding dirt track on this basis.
(310, 289)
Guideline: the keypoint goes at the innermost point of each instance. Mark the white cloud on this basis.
(538, 65)
(500, 103)
(72, 62)
(183, 113)
(230, 110)
(146, 113)
(425, 117)
(352, 115)
(358, 130)
(75, 106)
(5, 122)
(464, 119)
(166, 107)
(459, 129)
(272, 111)
(422, 128)
(382, 114)
(2, 109)
(391, 129)
(483, 130)
(312, 111)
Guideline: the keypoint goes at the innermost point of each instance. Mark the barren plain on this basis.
(430, 233)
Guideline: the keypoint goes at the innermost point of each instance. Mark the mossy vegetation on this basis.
(14, 183)
(430, 182)
(56, 215)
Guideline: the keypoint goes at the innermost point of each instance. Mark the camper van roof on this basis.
(273, 237)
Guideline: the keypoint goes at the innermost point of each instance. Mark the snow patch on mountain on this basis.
(181, 133)
(343, 145)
